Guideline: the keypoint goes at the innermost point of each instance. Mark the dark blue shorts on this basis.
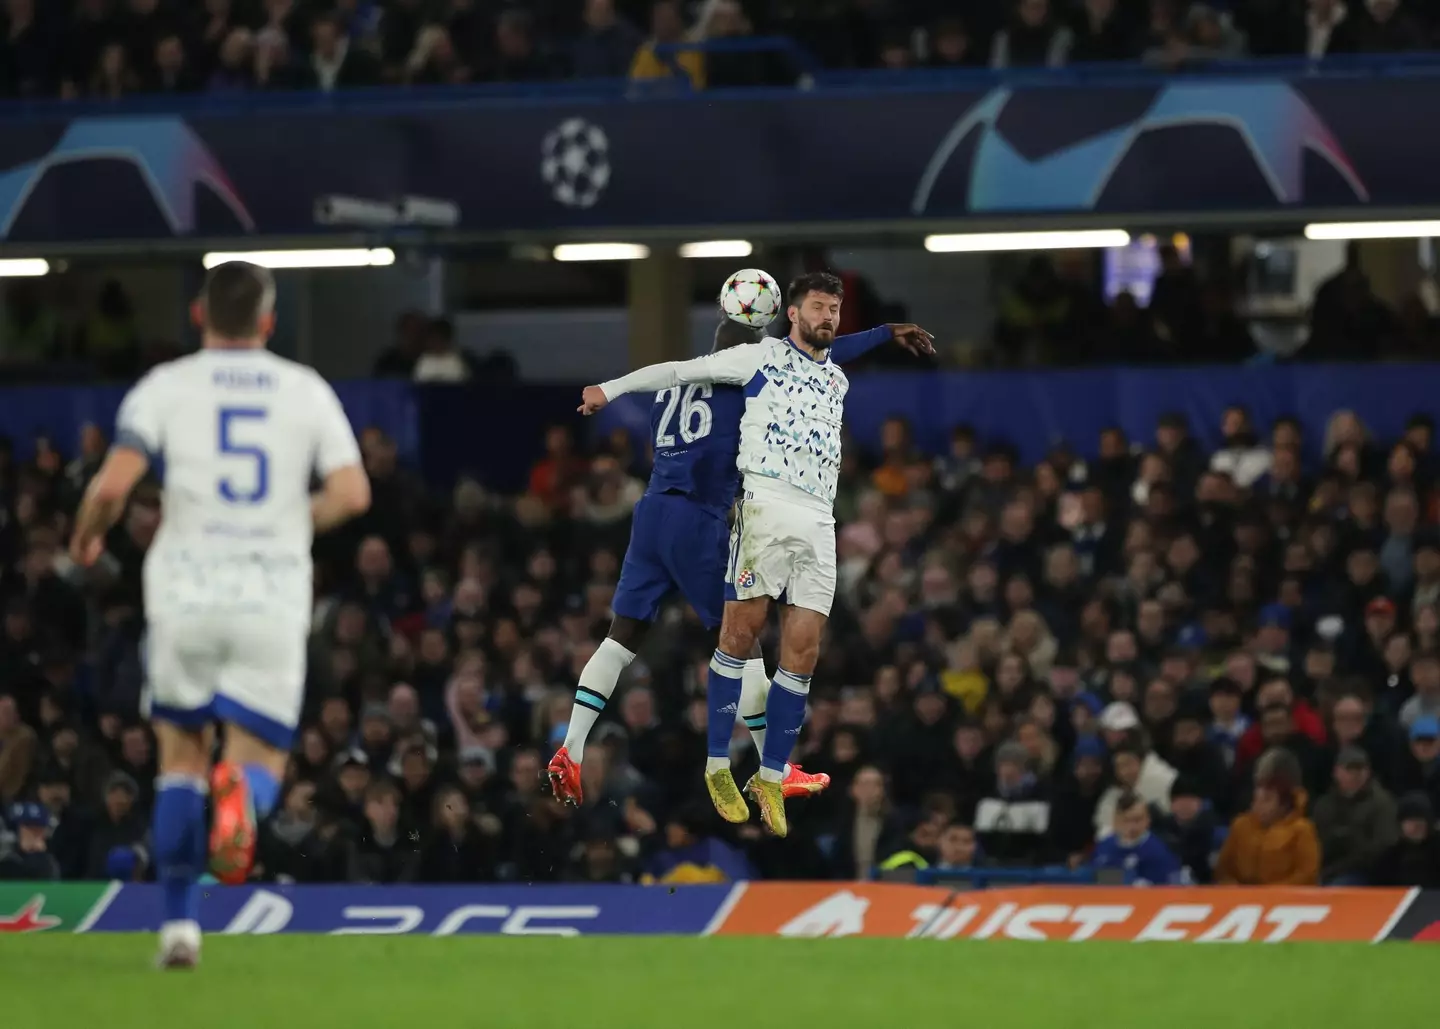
(675, 545)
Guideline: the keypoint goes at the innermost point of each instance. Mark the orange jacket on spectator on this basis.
(1284, 853)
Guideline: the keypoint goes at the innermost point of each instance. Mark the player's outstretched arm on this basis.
(908, 335)
(104, 502)
(345, 495)
(735, 367)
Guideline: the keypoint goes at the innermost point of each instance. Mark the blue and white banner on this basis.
(432, 910)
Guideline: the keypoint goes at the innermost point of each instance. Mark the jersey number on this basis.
(229, 492)
(695, 416)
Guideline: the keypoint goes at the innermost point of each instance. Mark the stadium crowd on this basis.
(1165, 663)
(106, 49)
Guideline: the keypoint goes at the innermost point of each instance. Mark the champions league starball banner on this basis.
(562, 160)
(1074, 914)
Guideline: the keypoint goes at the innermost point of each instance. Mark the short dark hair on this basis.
(441, 328)
(733, 334)
(236, 295)
(1128, 801)
(815, 282)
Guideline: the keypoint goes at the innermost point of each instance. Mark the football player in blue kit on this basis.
(680, 541)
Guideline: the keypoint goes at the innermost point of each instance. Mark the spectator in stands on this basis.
(867, 830)
(556, 474)
(1241, 457)
(117, 842)
(1033, 37)
(234, 67)
(435, 61)
(455, 850)
(1425, 678)
(18, 747)
(442, 359)
(171, 72)
(1101, 34)
(1418, 770)
(667, 28)
(1272, 844)
(1013, 822)
(1355, 822)
(958, 848)
(952, 46)
(1384, 28)
(607, 44)
(30, 860)
(334, 63)
(1414, 858)
(1132, 849)
(1191, 830)
(516, 57)
(384, 852)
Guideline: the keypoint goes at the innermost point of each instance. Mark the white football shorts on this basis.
(782, 550)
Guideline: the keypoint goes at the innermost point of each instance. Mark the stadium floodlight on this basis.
(717, 248)
(986, 242)
(601, 252)
(1372, 230)
(346, 257)
(23, 267)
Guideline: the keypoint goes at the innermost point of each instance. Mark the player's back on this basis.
(240, 434)
(695, 430)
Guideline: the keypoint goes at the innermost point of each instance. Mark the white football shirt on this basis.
(238, 436)
(794, 404)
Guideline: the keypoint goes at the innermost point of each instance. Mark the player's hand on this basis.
(913, 338)
(85, 552)
(592, 400)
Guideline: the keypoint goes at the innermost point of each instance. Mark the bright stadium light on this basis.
(23, 267)
(717, 248)
(601, 252)
(985, 242)
(348, 257)
(1372, 230)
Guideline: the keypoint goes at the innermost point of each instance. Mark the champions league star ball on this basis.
(750, 297)
(575, 162)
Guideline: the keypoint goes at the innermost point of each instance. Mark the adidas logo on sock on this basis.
(729, 709)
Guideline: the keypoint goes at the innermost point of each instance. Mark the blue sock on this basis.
(723, 693)
(264, 789)
(784, 715)
(178, 834)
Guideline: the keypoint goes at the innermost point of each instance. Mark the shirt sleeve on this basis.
(734, 366)
(335, 446)
(848, 348)
(138, 426)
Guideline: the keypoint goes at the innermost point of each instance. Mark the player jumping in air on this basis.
(781, 402)
(228, 594)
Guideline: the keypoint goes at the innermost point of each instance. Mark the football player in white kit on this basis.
(782, 547)
(239, 432)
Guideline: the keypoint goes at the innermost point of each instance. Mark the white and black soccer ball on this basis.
(751, 297)
(575, 162)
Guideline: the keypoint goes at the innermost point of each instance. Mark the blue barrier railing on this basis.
(982, 878)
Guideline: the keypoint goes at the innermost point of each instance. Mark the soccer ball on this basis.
(575, 162)
(750, 297)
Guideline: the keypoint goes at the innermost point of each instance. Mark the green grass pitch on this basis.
(317, 982)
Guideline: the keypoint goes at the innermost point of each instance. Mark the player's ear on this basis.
(267, 324)
(197, 313)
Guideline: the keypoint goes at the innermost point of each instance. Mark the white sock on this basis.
(716, 764)
(597, 684)
(754, 688)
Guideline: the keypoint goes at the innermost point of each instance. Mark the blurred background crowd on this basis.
(105, 49)
(1163, 664)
